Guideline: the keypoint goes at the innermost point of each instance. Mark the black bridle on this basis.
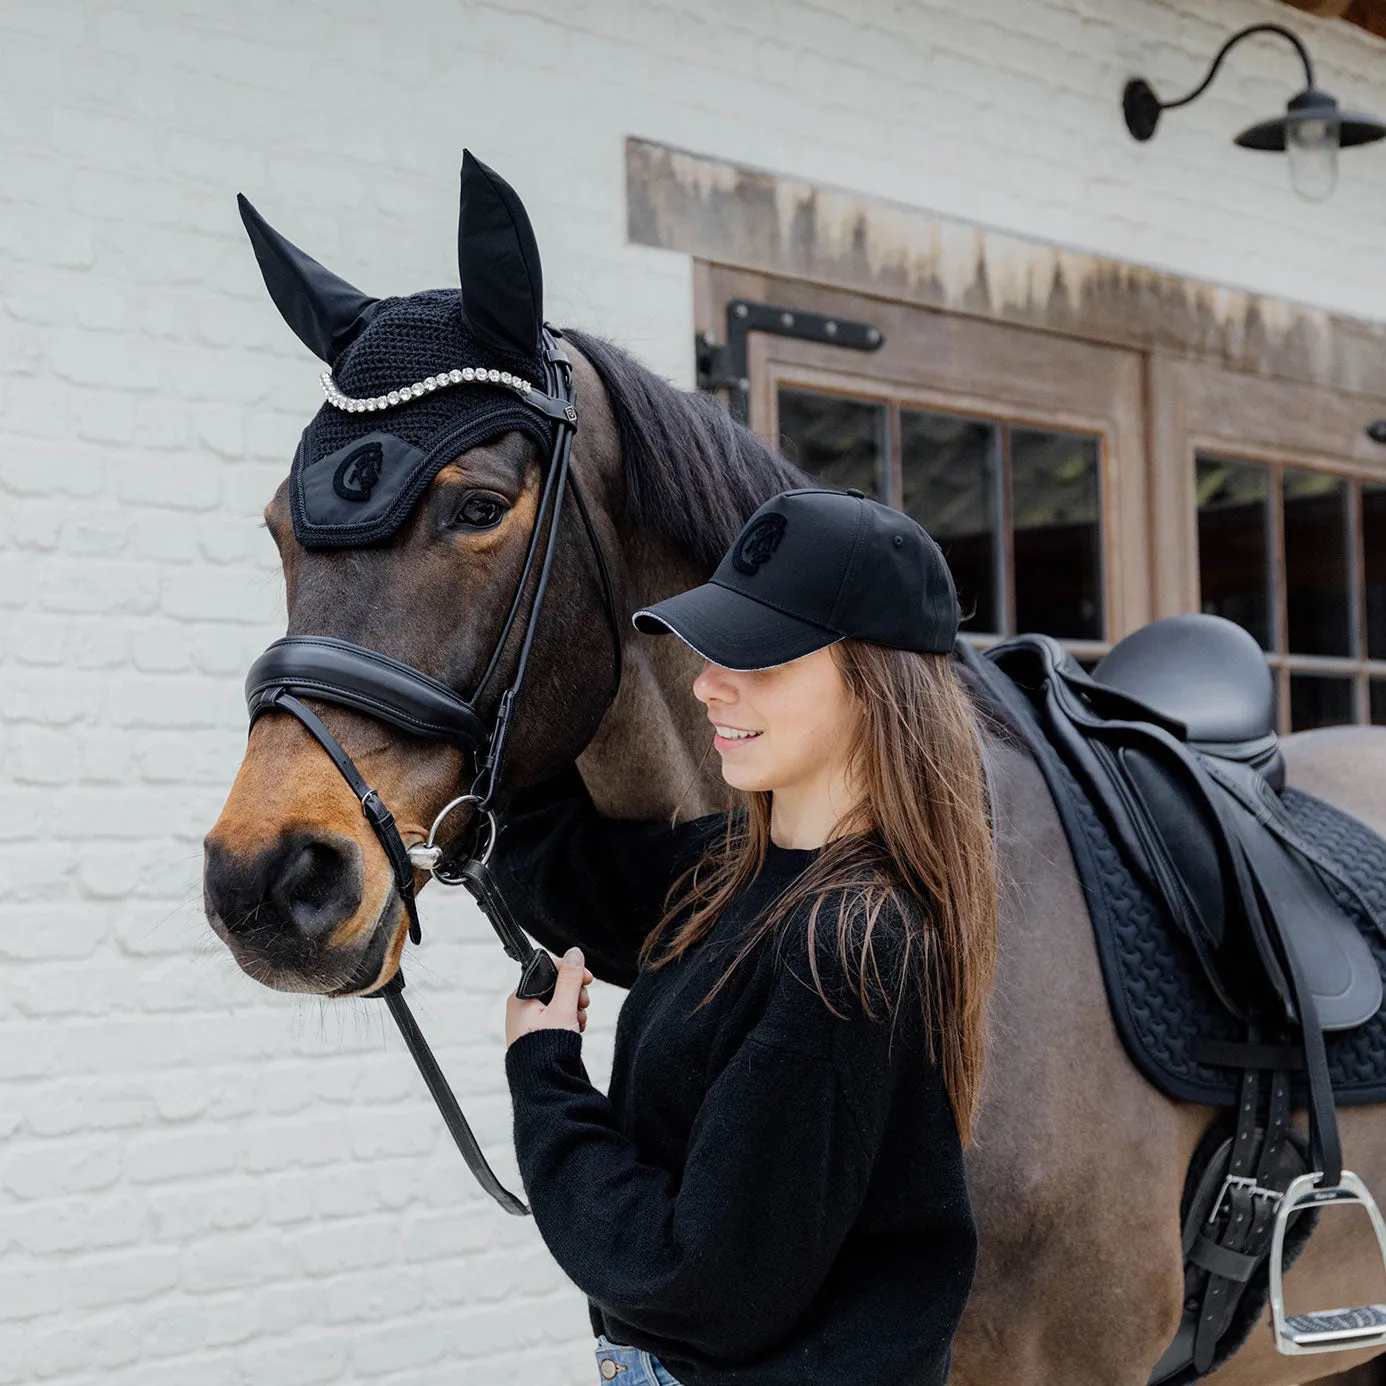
(349, 675)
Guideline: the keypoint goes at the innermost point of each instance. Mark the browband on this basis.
(319, 666)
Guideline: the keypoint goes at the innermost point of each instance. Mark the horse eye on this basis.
(480, 511)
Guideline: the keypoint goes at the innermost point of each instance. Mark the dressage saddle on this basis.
(1172, 740)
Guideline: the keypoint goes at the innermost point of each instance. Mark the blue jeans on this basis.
(629, 1366)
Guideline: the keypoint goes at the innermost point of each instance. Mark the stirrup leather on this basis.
(1325, 1330)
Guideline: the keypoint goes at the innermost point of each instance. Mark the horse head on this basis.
(413, 526)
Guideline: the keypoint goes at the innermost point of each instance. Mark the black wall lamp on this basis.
(1311, 130)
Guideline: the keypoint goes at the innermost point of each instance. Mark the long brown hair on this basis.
(919, 839)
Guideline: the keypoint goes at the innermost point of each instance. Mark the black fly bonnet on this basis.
(411, 384)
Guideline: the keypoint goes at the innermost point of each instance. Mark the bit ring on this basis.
(428, 856)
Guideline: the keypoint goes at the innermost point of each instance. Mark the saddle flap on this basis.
(1335, 960)
(1184, 842)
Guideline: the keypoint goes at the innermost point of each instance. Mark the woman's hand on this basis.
(567, 1010)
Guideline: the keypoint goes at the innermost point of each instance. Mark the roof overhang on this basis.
(1366, 14)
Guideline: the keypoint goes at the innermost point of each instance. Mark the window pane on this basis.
(1316, 581)
(1058, 534)
(1374, 566)
(1319, 700)
(840, 440)
(1233, 544)
(949, 483)
(1377, 690)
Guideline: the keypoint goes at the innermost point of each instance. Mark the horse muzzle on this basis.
(295, 915)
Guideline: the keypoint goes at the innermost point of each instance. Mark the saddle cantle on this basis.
(1171, 741)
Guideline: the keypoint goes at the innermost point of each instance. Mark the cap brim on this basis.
(732, 629)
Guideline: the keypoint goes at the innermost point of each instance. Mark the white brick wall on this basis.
(200, 1181)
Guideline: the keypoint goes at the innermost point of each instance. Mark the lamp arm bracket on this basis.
(1227, 48)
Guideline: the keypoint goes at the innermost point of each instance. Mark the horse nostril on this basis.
(302, 888)
(316, 886)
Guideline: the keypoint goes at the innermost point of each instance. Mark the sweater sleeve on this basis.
(572, 876)
(726, 1256)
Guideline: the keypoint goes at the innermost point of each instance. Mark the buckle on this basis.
(1244, 1181)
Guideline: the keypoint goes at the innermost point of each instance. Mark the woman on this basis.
(773, 1193)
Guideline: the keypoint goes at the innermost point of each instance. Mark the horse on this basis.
(1078, 1163)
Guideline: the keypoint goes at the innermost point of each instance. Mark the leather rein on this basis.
(353, 676)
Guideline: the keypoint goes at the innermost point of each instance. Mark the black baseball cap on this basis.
(811, 567)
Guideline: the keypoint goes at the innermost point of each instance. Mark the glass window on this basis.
(1057, 534)
(1374, 568)
(1376, 693)
(949, 467)
(1298, 557)
(836, 438)
(1234, 543)
(1317, 700)
(1378, 701)
(1317, 615)
(1016, 510)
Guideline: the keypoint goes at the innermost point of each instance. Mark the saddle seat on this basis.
(1212, 676)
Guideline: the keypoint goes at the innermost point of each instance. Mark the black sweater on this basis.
(771, 1195)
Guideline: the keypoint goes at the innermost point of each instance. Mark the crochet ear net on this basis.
(326, 313)
(498, 260)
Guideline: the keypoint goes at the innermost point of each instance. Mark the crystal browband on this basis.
(469, 375)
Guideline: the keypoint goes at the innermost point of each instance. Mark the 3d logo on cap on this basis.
(758, 541)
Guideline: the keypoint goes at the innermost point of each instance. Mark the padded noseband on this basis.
(320, 666)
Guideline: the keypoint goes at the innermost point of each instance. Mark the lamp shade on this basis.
(1311, 105)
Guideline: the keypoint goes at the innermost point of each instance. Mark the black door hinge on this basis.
(725, 367)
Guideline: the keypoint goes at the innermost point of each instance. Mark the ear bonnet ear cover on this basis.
(356, 476)
(326, 313)
(498, 259)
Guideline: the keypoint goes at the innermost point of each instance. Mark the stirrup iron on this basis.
(1325, 1330)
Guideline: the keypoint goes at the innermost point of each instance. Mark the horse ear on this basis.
(498, 259)
(326, 313)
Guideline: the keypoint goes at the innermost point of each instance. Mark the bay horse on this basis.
(1078, 1163)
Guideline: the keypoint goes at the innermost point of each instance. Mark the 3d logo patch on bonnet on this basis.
(758, 541)
(371, 481)
(357, 472)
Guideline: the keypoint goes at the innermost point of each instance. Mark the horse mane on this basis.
(693, 475)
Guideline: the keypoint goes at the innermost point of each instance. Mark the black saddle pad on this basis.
(1160, 999)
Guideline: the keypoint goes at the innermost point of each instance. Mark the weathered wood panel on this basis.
(1366, 14)
(746, 218)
